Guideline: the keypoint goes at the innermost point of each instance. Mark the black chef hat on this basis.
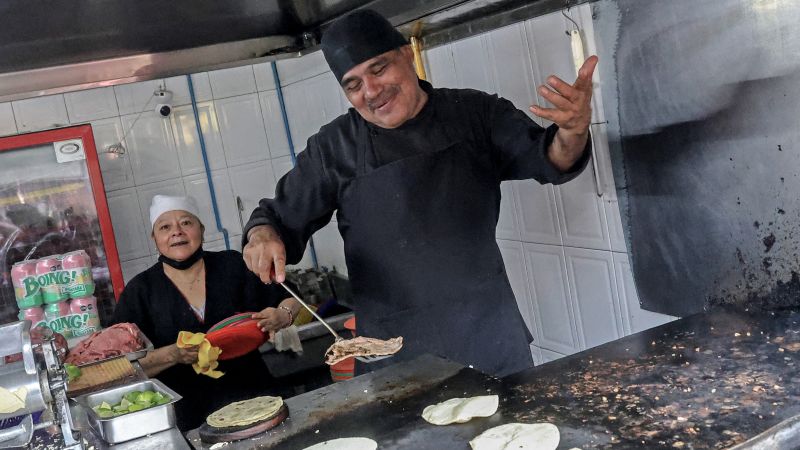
(357, 37)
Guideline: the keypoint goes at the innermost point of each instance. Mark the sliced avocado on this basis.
(146, 397)
(132, 396)
(105, 413)
(136, 407)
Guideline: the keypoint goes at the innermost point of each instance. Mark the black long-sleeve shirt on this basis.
(307, 196)
(156, 306)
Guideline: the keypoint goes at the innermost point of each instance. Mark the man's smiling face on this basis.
(385, 89)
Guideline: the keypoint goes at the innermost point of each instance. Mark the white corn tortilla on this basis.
(245, 412)
(460, 410)
(518, 436)
(12, 401)
(353, 443)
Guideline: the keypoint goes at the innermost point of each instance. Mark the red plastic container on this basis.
(345, 369)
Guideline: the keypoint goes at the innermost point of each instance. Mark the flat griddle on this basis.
(709, 381)
(214, 435)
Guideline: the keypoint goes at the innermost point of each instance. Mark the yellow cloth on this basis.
(303, 317)
(206, 356)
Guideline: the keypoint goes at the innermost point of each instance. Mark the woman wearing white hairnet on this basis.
(189, 289)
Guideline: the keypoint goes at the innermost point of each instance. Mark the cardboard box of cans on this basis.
(56, 291)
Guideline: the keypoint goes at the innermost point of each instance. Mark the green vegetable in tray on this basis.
(73, 372)
(131, 402)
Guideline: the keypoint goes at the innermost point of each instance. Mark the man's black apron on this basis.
(420, 245)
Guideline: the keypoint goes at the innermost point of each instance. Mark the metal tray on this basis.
(132, 356)
(132, 425)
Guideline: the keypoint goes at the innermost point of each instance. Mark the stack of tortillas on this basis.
(245, 412)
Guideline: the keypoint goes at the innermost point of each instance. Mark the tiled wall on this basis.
(563, 246)
(243, 131)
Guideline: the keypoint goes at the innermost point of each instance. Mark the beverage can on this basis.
(26, 288)
(78, 266)
(84, 318)
(56, 318)
(54, 311)
(49, 276)
(35, 315)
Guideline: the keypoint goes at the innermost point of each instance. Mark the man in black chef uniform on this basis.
(413, 174)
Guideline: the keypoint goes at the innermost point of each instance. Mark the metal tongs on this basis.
(364, 359)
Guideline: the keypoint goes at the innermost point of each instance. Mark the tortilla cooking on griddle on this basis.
(245, 412)
(362, 346)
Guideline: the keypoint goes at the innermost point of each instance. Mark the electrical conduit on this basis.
(214, 206)
(288, 130)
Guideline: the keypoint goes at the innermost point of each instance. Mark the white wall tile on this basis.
(179, 87)
(552, 309)
(232, 82)
(280, 166)
(537, 215)
(134, 267)
(242, 129)
(40, 113)
(329, 246)
(187, 143)
(548, 355)
(514, 261)
(594, 295)
(116, 169)
(440, 66)
(638, 319)
(7, 123)
(252, 182)
(146, 193)
(292, 70)
(304, 107)
(273, 123)
(197, 186)
(615, 231)
(507, 223)
(536, 353)
(136, 97)
(91, 104)
(512, 72)
(265, 81)
(126, 219)
(472, 65)
(550, 49)
(581, 214)
(151, 148)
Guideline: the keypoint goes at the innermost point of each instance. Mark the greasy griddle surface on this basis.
(704, 382)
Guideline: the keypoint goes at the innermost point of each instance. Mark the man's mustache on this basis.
(382, 98)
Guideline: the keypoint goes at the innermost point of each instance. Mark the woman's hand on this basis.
(187, 355)
(273, 319)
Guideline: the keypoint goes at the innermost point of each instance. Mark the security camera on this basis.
(164, 109)
(163, 99)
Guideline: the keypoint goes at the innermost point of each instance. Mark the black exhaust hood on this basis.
(60, 46)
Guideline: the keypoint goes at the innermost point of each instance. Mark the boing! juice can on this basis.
(55, 315)
(35, 315)
(26, 288)
(79, 268)
(86, 307)
(48, 272)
